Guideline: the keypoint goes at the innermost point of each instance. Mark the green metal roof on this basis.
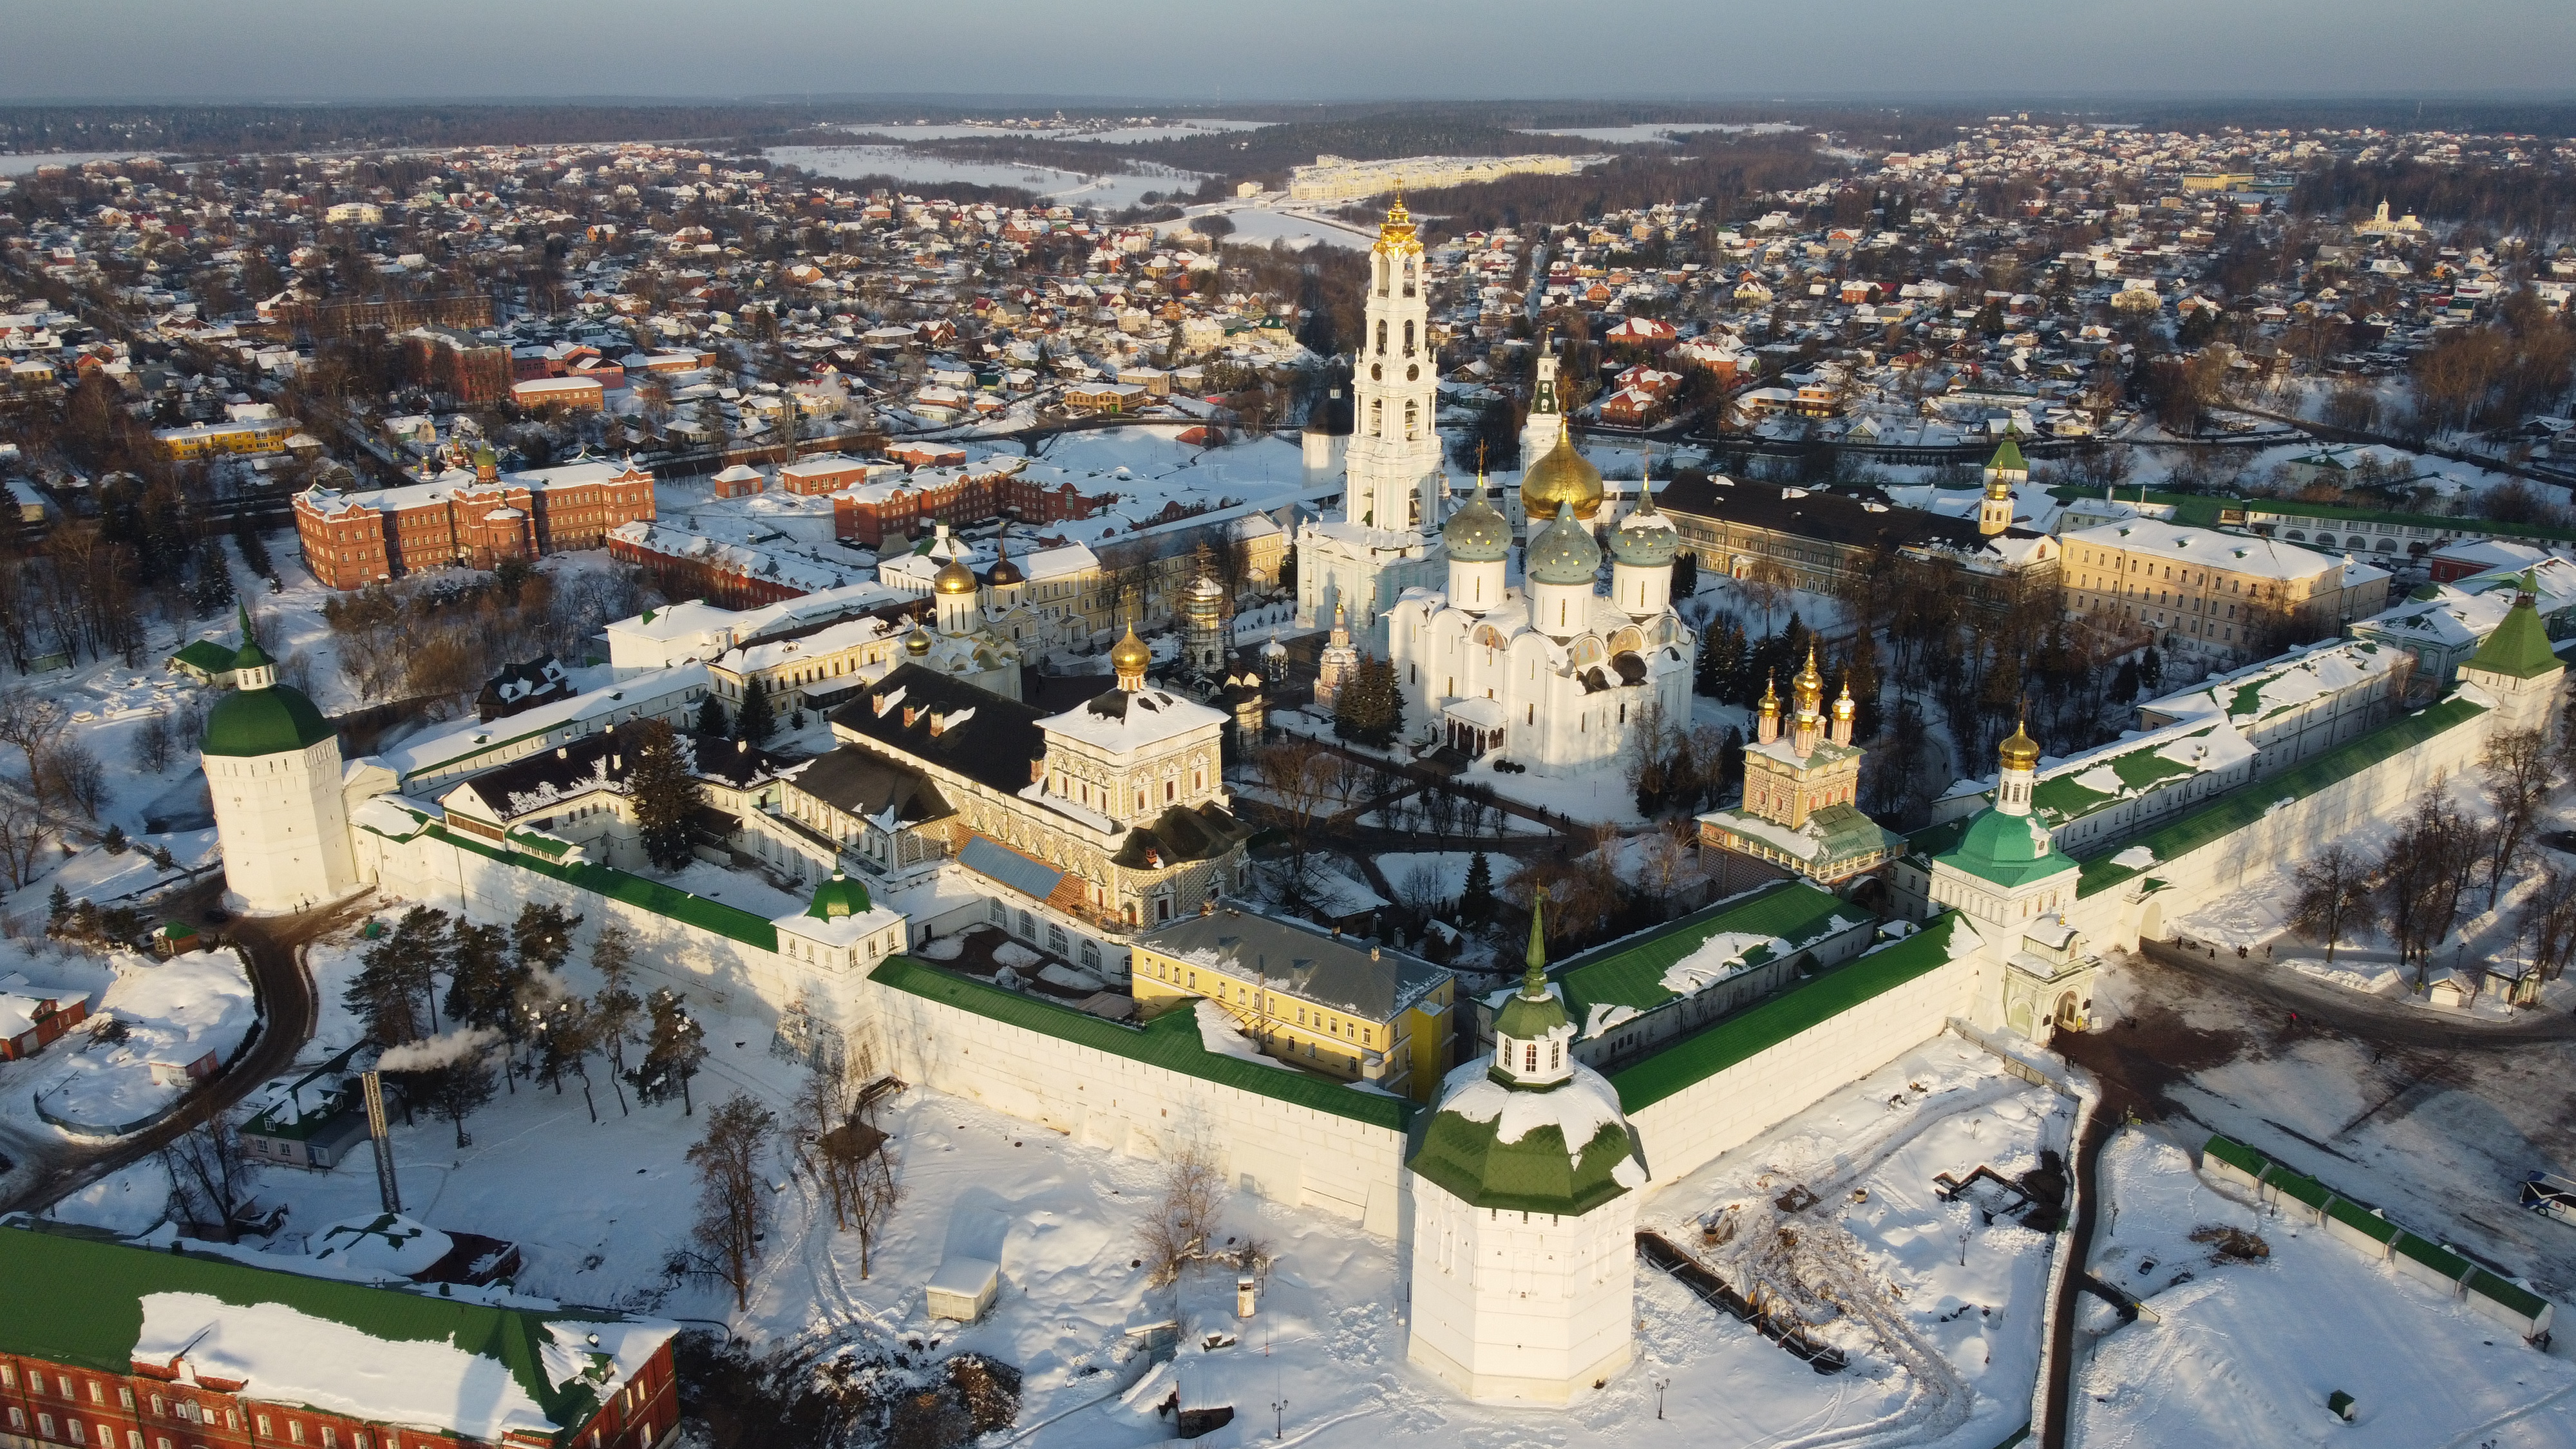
(1630, 973)
(662, 900)
(273, 721)
(2519, 647)
(2434, 1256)
(79, 1301)
(207, 656)
(2235, 1154)
(840, 896)
(2141, 769)
(1171, 1041)
(2008, 456)
(2235, 809)
(1470, 1161)
(1705, 1053)
(2201, 510)
(2511, 1295)
(2009, 850)
(2362, 1220)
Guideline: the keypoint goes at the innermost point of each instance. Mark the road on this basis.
(271, 948)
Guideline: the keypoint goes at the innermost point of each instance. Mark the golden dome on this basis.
(956, 578)
(2020, 752)
(1129, 655)
(1562, 477)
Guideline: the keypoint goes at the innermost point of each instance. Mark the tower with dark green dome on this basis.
(2007, 876)
(273, 768)
(1525, 1212)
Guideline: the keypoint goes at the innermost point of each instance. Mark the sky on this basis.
(323, 50)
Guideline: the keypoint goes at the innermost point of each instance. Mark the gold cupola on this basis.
(1562, 477)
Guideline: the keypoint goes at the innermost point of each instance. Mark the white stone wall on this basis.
(283, 826)
(1521, 1307)
(1684, 1131)
(1291, 1154)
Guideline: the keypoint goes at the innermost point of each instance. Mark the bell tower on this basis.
(1395, 440)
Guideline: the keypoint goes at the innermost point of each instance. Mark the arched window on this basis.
(1412, 418)
(1529, 1057)
(1381, 337)
(1555, 1055)
(1412, 269)
(1381, 276)
(1408, 339)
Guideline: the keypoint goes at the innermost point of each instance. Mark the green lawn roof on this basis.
(77, 1300)
(1630, 973)
(1170, 1041)
(651, 895)
(2235, 809)
(1704, 1053)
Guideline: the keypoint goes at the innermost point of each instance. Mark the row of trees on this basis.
(834, 1143)
(2419, 885)
(436, 639)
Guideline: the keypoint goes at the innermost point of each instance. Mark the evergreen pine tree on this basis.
(114, 840)
(755, 723)
(1476, 902)
(674, 1046)
(1685, 575)
(58, 905)
(664, 792)
(712, 724)
(1726, 782)
(1370, 709)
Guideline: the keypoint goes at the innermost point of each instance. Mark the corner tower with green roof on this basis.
(2517, 666)
(2004, 472)
(1525, 1213)
(273, 767)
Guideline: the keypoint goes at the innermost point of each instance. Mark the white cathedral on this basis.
(1552, 675)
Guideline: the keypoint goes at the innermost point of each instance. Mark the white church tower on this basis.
(1387, 539)
(273, 767)
(1547, 409)
(1525, 1213)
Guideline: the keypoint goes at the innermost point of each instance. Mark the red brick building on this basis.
(871, 512)
(351, 540)
(115, 1347)
(460, 365)
(821, 474)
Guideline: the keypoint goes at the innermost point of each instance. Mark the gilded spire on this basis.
(1396, 233)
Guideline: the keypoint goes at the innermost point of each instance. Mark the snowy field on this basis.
(25, 163)
(1113, 190)
(1165, 131)
(172, 1014)
(1663, 132)
(2246, 1354)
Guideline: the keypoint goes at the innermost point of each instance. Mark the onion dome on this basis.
(1563, 552)
(1129, 655)
(1845, 707)
(1004, 573)
(1273, 649)
(1477, 533)
(1809, 685)
(1562, 477)
(955, 578)
(1645, 538)
(918, 644)
(2020, 752)
(838, 897)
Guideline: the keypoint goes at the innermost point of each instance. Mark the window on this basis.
(1055, 938)
(1529, 1057)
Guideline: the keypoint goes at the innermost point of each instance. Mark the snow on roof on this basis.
(578, 713)
(1578, 1109)
(2244, 553)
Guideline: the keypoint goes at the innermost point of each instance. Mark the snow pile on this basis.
(1717, 958)
(1013, 954)
(128, 1202)
(1578, 1110)
(182, 1018)
(383, 1243)
(1070, 979)
(2373, 979)
(945, 948)
(1603, 1016)
(1218, 1033)
(2136, 857)
(286, 1356)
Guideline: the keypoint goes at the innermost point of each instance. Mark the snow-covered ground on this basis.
(1120, 135)
(173, 1014)
(1662, 131)
(2247, 1353)
(1110, 189)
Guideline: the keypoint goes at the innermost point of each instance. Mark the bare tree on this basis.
(2549, 924)
(210, 1175)
(2334, 896)
(1176, 1234)
(843, 1150)
(2520, 773)
(31, 722)
(23, 830)
(1293, 773)
(733, 1194)
(614, 1009)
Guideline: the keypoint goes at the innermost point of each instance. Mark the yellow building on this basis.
(207, 440)
(1321, 1000)
(2224, 596)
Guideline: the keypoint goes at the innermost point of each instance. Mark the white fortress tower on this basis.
(1525, 1214)
(273, 766)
